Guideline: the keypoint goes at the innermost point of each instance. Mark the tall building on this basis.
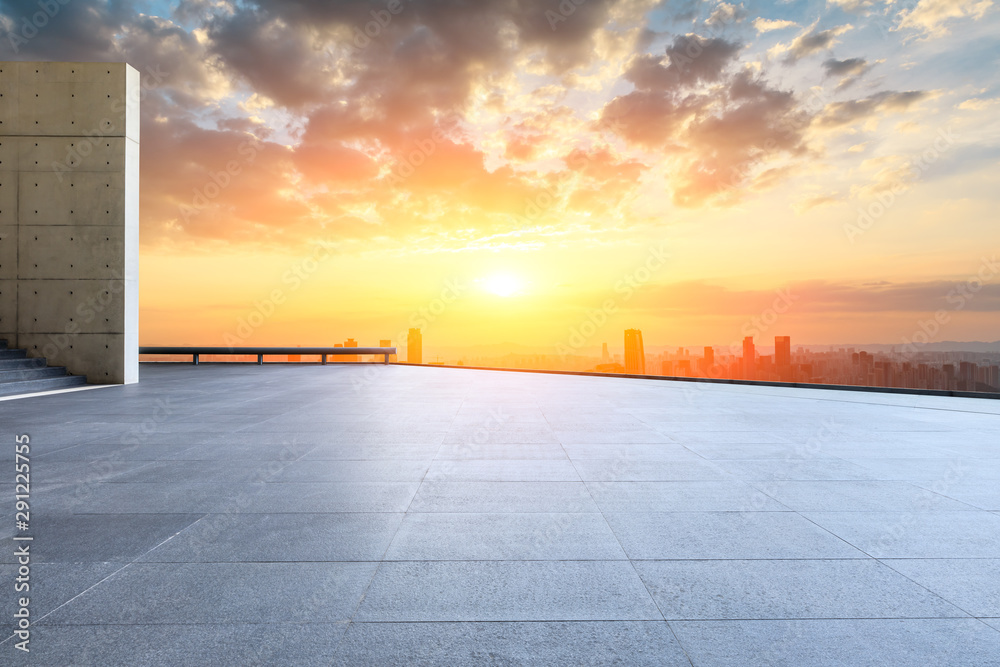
(783, 358)
(749, 358)
(415, 347)
(605, 357)
(350, 342)
(782, 351)
(709, 357)
(635, 355)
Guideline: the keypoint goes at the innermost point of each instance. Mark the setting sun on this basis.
(503, 285)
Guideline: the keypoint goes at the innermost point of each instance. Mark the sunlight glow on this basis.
(503, 285)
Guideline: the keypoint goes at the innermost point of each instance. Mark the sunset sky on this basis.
(503, 170)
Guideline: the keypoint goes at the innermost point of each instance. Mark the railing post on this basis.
(324, 360)
(260, 359)
(386, 359)
(196, 356)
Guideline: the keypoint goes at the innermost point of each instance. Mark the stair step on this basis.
(15, 375)
(13, 354)
(21, 364)
(46, 384)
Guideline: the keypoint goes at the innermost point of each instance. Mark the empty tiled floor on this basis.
(384, 515)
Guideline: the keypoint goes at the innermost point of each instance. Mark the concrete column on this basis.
(69, 215)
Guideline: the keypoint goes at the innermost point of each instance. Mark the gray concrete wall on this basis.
(69, 215)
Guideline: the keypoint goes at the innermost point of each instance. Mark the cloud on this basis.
(647, 118)
(749, 125)
(78, 31)
(895, 176)
(810, 42)
(717, 126)
(808, 203)
(849, 71)
(849, 67)
(763, 25)
(726, 14)
(606, 179)
(857, 6)
(329, 163)
(301, 52)
(664, 97)
(930, 16)
(689, 60)
(978, 104)
(839, 114)
(340, 100)
(205, 185)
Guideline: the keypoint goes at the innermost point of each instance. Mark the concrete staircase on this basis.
(20, 375)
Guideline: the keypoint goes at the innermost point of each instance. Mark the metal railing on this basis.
(261, 352)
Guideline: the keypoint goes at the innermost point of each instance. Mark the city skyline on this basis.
(913, 368)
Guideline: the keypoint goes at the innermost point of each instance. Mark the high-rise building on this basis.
(350, 342)
(949, 377)
(749, 358)
(783, 358)
(635, 355)
(415, 347)
(605, 357)
(967, 376)
(706, 364)
(782, 351)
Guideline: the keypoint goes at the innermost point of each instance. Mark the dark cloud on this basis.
(849, 71)
(277, 60)
(303, 52)
(664, 99)
(78, 31)
(851, 66)
(689, 60)
(839, 114)
(720, 125)
(649, 119)
(757, 123)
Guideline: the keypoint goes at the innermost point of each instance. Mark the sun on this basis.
(503, 285)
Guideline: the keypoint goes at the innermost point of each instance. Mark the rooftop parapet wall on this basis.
(69, 215)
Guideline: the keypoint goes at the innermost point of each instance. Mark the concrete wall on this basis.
(69, 215)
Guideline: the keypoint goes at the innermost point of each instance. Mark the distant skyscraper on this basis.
(749, 358)
(415, 347)
(782, 351)
(350, 342)
(605, 357)
(635, 355)
(709, 357)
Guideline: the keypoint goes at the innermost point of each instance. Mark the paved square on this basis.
(395, 515)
